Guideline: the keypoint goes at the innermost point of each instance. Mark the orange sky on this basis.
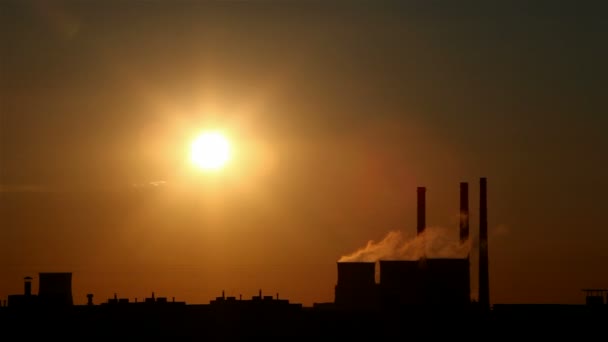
(337, 113)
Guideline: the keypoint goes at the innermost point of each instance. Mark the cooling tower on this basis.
(447, 282)
(55, 289)
(400, 283)
(356, 287)
(356, 273)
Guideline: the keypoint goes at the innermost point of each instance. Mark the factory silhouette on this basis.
(437, 282)
(414, 294)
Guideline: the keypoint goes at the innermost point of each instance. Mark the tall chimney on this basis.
(421, 223)
(464, 212)
(484, 281)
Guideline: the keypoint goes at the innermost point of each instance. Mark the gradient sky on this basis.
(337, 112)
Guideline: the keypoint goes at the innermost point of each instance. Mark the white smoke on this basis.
(434, 242)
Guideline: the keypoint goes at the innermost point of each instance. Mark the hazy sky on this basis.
(336, 111)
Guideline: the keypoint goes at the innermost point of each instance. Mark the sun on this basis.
(210, 151)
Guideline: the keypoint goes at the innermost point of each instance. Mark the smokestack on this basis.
(464, 212)
(421, 223)
(484, 281)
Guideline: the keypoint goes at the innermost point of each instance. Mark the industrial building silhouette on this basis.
(421, 293)
(433, 282)
(54, 290)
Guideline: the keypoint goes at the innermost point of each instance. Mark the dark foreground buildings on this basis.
(423, 298)
(54, 290)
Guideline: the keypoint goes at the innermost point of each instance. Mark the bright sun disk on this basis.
(210, 151)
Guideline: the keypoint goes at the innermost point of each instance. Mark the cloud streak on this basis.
(152, 184)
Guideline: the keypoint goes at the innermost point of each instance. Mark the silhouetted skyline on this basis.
(336, 111)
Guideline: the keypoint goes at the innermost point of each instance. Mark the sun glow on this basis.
(210, 151)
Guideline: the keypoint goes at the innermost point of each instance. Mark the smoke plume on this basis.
(432, 243)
